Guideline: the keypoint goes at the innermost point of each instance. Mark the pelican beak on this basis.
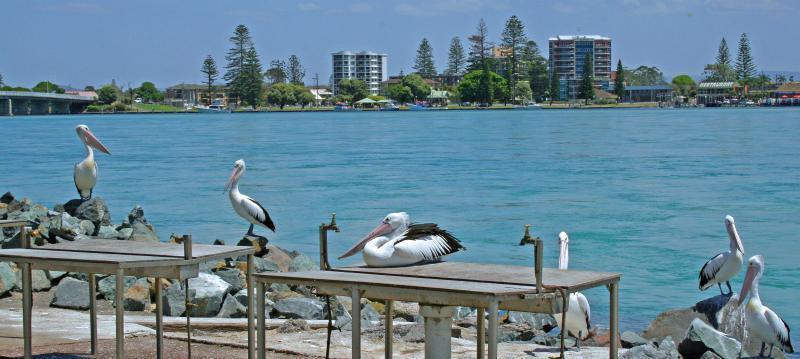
(378, 231)
(563, 255)
(91, 140)
(232, 178)
(748, 283)
(733, 233)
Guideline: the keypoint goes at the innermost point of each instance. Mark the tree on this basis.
(295, 70)
(479, 47)
(522, 90)
(513, 39)
(745, 67)
(241, 41)
(88, 88)
(419, 88)
(47, 86)
(244, 68)
(302, 96)
(352, 90)
(400, 93)
(149, 93)
(643, 75)
(456, 59)
(619, 81)
(586, 89)
(718, 73)
(537, 69)
(251, 81)
(723, 54)
(107, 94)
(276, 74)
(483, 87)
(423, 64)
(555, 91)
(684, 85)
(210, 71)
(281, 94)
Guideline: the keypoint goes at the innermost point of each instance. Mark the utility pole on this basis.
(316, 88)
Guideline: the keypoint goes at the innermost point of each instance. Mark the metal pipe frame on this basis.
(262, 340)
(27, 295)
(120, 312)
(159, 320)
(187, 255)
(251, 335)
(356, 323)
(481, 333)
(92, 313)
(389, 334)
(493, 329)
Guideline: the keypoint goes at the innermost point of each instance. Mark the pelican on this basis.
(578, 311)
(85, 174)
(762, 322)
(398, 242)
(724, 266)
(246, 207)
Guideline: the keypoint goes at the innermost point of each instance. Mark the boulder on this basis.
(263, 265)
(414, 334)
(137, 296)
(631, 339)
(8, 279)
(107, 232)
(234, 277)
(107, 287)
(518, 333)
(300, 308)
(86, 227)
(232, 308)
(174, 301)
(71, 294)
(218, 242)
(94, 210)
(701, 337)
(464, 312)
(538, 321)
(241, 296)
(39, 280)
(278, 256)
(665, 350)
(55, 275)
(710, 355)
(209, 293)
(125, 234)
(259, 243)
(141, 229)
(294, 326)
(302, 263)
(6, 198)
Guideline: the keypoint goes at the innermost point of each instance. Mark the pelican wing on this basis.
(780, 328)
(258, 212)
(583, 303)
(710, 270)
(427, 241)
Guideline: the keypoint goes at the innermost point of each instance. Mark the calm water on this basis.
(642, 192)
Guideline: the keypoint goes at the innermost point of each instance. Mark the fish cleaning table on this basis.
(440, 286)
(103, 256)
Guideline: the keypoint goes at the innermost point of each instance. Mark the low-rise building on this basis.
(649, 93)
(83, 93)
(715, 93)
(321, 95)
(185, 95)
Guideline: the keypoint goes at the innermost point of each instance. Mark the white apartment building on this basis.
(367, 66)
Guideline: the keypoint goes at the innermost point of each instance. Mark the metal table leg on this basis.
(613, 290)
(189, 305)
(27, 307)
(92, 312)
(493, 329)
(262, 340)
(159, 321)
(356, 323)
(251, 335)
(118, 298)
(388, 335)
(481, 333)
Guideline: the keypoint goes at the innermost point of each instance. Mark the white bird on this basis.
(578, 312)
(762, 322)
(724, 266)
(398, 242)
(85, 174)
(246, 207)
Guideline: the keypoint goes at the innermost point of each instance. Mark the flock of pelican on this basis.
(399, 242)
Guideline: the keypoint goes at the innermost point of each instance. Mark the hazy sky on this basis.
(91, 42)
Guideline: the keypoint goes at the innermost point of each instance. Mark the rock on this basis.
(39, 280)
(667, 346)
(8, 279)
(174, 301)
(125, 234)
(539, 321)
(55, 275)
(300, 308)
(7, 198)
(86, 227)
(241, 297)
(547, 340)
(710, 355)
(107, 232)
(464, 312)
(94, 210)
(232, 308)
(263, 265)
(701, 337)
(141, 229)
(210, 291)
(218, 242)
(665, 350)
(71, 294)
(234, 277)
(278, 256)
(672, 323)
(368, 313)
(293, 326)
(37, 213)
(631, 339)
(302, 263)
(405, 310)
(107, 287)
(259, 243)
(518, 333)
(70, 207)
(137, 297)
(415, 334)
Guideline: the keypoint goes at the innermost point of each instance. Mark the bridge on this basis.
(15, 103)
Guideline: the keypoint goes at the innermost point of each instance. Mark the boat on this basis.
(390, 107)
(529, 106)
(215, 107)
(418, 107)
(343, 107)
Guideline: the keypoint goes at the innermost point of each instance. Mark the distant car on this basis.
(750, 103)
(138, 100)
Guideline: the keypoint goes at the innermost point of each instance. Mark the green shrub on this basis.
(94, 108)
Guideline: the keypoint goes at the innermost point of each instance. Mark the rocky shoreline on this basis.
(220, 291)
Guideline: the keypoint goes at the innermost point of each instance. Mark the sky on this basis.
(87, 42)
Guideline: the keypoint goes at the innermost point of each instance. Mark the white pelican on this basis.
(85, 175)
(724, 266)
(762, 322)
(398, 242)
(245, 206)
(578, 311)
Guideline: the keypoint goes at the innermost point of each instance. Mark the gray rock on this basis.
(302, 263)
(464, 312)
(264, 265)
(300, 308)
(539, 321)
(107, 232)
(142, 230)
(518, 333)
(710, 355)
(8, 279)
(137, 297)
(546, 340)
(94, 210)
(107, 287)
(701, 337)
(667, 346)
(234, 277)
(37, 213)
(294, 326)
(631, 339)
(209, 293)
(174, 301)
(369, 314)
(86, 227)
(415, 334)
(666, 350)
(39, 280)
(55, 275)
(124, 233)
(71, 294)
(241, 296)
(232, 308)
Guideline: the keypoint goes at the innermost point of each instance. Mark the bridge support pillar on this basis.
(9, 107)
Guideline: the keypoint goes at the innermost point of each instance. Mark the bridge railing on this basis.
(43, 95)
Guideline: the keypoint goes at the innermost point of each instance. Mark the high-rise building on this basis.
(567, 53)
(367, 66)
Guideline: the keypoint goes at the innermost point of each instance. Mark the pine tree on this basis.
(555, 91)
(512, 40)
(295, 70)
(479, 47)
(242, 43)
(485, 85)
(586, 90)
(250, 79)
(210, 71)
(277, 72)
(745, 67)
(619, 82)
(424, 61)
(723, 54)
(455, 58)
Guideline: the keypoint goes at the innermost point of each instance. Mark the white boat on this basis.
(529, 106)
(215, 107)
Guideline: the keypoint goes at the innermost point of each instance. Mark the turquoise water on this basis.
(641, 192)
